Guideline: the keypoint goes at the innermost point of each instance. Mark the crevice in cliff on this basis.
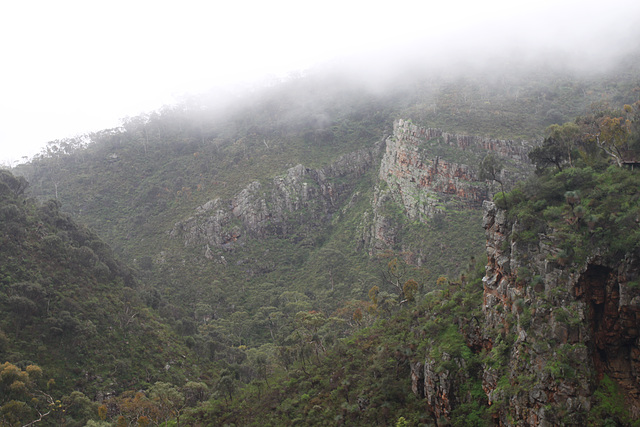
(611, 328)
(592, 289)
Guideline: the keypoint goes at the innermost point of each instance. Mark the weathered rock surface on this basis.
(260, 209)
(569, 325)
(430, 167)
(416, 173)
(427, 171)
(439, 386)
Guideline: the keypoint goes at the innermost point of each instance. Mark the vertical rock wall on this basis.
(427, 172)
(428, 167)
(261, 209)
(556, 330)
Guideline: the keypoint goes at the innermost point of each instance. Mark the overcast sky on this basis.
(69, 67)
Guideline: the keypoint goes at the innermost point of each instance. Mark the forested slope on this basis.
(268, 227)
(545, 333)
(72, 316)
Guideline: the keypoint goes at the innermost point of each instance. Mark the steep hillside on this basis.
(545, 334)
(268, 228)
(132, 184)
(69, 306)
(561, 289)
(566, 329)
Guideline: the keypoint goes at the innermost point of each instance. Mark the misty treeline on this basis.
(275, 311)
(512, 101)
(304, 108)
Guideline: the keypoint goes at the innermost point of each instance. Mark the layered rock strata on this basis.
(430, 167)
(262, 209)
(428, 172)
(560, 328)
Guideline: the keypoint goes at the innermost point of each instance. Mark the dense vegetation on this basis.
(303, 326)
(72, 317)
(584, 202)
(366, 378)
(586, 186)
(583, 191)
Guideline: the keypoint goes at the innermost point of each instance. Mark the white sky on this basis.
(69, 67)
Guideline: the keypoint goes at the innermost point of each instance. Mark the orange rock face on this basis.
(427, 167)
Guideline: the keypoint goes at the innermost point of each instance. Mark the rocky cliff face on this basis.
(423, 173)
(428, 171)
(301, 195)
(430, 167)
(556, 329)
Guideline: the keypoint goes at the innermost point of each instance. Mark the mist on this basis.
(77, 67)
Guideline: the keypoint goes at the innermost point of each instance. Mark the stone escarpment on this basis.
(416, 135)
(430, 167)
(428, 172)
(439, 387)
(555, 329)
(302, 195)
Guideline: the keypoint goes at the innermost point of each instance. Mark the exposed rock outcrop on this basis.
(417, 135)
(301, 194)
(439, 386)
(423, 173)
(556, 329)
(430, 167)
(427, 171)
(439, 381)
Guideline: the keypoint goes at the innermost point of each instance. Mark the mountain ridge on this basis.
(297, 248)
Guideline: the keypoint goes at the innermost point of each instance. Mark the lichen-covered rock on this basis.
(427, 172)
(555, 329)
(427, 167)
(260, 209)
